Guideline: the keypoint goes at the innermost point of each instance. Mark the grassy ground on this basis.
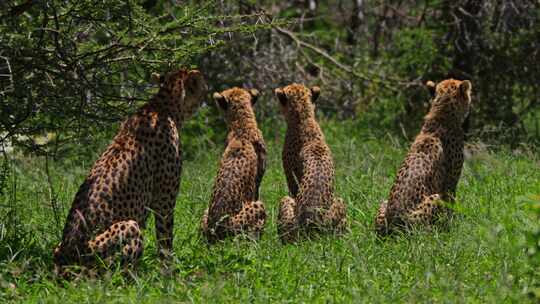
(479, 259)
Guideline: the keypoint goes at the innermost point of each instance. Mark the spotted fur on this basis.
(309, 169)
(431, 170)
(235, 206)
(138, 174)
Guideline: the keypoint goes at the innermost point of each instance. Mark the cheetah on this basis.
(309, 169)
(235, 207)
(429, 174)
(138, 173)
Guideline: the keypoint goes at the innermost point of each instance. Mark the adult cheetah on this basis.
(309, 169)
(431, 170)
(138, 173)
(235, 206)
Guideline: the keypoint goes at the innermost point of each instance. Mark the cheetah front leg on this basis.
(336, 216)
(123, 238)
(250, 219)
(204, 223)
(287, 220)
(164, 232)
(293, 171)
(381, 220)
(425, 211)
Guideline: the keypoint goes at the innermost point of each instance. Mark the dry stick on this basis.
(348, 69)
(300, 43)
(53, 198)
(133, 58)
(317, 50)
(8, 74)
(5, 168)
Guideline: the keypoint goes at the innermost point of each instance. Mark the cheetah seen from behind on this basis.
(235, 207)
(431, 170)
(138, 174)
(309, 169)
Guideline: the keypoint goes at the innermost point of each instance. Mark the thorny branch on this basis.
(371, 78)
(5, 72)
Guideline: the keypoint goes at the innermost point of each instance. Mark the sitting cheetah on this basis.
(235, 206)
(309, 169)
(139, 172)
(431, 170)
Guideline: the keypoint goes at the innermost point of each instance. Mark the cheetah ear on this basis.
(315, 93)
(431, 87)
(465, 87)
(281, 96)
(195, 81)
(254, 95)
(156, 78)
(221, 102)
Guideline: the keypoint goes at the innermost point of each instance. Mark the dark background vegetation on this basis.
(71, 70)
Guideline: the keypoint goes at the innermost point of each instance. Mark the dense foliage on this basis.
(68, 69)
(71, 68)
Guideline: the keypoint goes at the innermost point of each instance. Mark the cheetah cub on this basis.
(139, 171)
(309, 169)
(430, 172)
(235, 206)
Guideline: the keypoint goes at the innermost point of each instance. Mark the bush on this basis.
(77, 67)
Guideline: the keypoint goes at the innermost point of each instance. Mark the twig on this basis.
(9, 88)
(52, 194)
(133, 58)
(347, 69)
(317, 50)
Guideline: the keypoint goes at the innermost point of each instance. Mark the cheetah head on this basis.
(186, 89)
(296, 101)
(451, 99)
(236, 103)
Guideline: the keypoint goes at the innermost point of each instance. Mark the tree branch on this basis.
(370, 78)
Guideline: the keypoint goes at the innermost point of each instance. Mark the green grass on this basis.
(480, 258)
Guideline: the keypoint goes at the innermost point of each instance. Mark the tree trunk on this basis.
(357, 19)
